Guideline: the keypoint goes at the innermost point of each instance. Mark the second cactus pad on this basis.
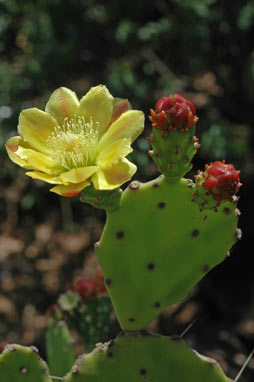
(19, 363)
(150, 358)
(158, 245)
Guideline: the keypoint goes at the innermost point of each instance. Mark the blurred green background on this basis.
(141, 50)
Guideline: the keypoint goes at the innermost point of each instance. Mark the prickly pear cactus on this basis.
(150, 358)
(158, 245)
(20, 363)
(165, 235)
(160, 238)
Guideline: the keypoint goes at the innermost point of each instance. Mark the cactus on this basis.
(160, 237)
(158, 245)
(88, 310)
(60, 349)
(169, 232)
(146, 357)
(18, 363)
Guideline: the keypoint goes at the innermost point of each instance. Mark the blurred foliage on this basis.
(141, 50)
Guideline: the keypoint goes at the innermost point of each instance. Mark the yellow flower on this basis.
(75, 143)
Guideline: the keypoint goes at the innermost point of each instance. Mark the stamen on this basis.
(74, 143)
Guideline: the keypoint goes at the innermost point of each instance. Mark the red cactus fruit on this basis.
(173, 112)
(3, 344)
(87, 289)
(221, 180)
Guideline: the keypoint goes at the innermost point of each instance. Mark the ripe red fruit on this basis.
(173, 112)
(221, 180)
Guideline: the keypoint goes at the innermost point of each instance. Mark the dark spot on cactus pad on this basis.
(171, 166)
(134, 185)
(98, 198)
(177, 150)
(206, 268)
(162, 205)
(226, 211)
(110, 354)
(158, 154)
(132, 319)
(142, 371)
(195, 233)
(157, 304)
(155, 184)
(108, 282)
(150, 266)
(186, 159)
(205, 217)
(120, 235)
(23, 370)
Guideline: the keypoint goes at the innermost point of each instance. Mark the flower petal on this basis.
(77, 175)
(45, 177)
(30, 159)
(12, 146)
(114, 152)
(34, 127)
(120, 106)
(63, 103)
(113, 177)
(129, 125)
(97, 105)
(71, 189)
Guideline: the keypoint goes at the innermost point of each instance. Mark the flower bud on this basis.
(221, 180)
(173, 112)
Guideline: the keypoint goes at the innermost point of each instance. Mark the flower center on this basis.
(74, 144)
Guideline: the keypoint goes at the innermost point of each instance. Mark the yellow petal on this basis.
(114, 176)
(30, 159)
(34, 127)
(129, 125)
(63, 103)
(98, 105)
(77, 175)
(70, 190)
(12, 146)
(113, 153)
(45, 177)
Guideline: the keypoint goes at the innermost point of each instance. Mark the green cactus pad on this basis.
(150, 358)
(60, 349)
(173, 152)
(158, 245)
(107, 199)
(19, 363)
